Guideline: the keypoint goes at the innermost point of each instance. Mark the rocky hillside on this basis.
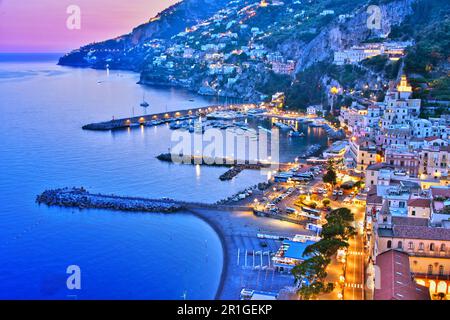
(251, 49)
(341, 35)
(123, 52)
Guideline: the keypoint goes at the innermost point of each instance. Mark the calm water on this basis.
(141, 256)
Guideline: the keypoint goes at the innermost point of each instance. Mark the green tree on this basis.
(326, 247)
(340, 216)
(313, 290)
(330, 176)
(339, 225)
(313, 272)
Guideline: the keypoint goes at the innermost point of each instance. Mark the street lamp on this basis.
(334, 91)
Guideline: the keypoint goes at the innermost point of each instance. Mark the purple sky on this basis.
(40, 25)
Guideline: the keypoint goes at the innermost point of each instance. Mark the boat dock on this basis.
(168, 116)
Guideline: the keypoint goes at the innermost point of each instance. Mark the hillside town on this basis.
(392, 173)
(362, 211)
(405, 164)
(235, 52)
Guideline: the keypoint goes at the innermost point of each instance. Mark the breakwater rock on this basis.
(235, 170)
(310, 151)
(81, 198)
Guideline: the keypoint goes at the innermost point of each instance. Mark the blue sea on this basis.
(121, 256)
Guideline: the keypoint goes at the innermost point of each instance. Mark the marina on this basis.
(129, 167)
(162, 117)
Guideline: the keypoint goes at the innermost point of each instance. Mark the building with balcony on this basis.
(434, 162)
(363, 152)
(428, 249)
(354, 118)
(402, 159)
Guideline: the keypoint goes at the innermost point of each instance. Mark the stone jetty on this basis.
(235, 166)
(217, 162)
(81, 198)
(311, 150)
(235, 170)
(124, 123)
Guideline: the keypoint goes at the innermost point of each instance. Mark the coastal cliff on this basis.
(127, 52)
(251, 50)
(341, 35)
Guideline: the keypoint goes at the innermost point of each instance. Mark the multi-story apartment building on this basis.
(428, 249)
(402, 158)
(422, 128)
(354, 118)
(400, 108)
(373, 116)
(394, 135)
(427, 246)
(363, 152)
(434, 162)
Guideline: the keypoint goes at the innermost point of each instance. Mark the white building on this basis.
(313, 110)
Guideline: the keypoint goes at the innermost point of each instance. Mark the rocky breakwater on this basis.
(235, 170)
(81, 198)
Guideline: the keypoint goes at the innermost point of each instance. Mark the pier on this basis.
(235, 166)
(82, 199)
(168, 116)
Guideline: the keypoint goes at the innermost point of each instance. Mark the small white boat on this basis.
(144, 103)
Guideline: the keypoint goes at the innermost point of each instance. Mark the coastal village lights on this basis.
(257, 151)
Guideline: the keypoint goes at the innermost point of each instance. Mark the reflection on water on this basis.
(121, 255)
(124, 256)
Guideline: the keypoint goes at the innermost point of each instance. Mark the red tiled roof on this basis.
(431, 138)
(373, 197)
(408, 221)
(440, 192)
(396, 282)
(419, 202)
(379, 166)
(420, 232)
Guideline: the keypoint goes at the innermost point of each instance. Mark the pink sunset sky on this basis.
(40, 25)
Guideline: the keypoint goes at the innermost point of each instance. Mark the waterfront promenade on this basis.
(238, 231)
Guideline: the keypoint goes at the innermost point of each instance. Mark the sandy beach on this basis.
(238, 231)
